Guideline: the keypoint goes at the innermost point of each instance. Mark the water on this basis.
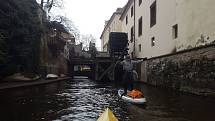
(84, 100)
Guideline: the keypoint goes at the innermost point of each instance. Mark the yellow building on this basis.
(112, 25)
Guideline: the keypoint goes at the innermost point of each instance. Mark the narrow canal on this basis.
(84, 100)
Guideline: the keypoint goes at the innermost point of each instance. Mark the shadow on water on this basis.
(81, 99)
(168, 105)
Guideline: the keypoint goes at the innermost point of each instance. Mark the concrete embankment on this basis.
(10, 85)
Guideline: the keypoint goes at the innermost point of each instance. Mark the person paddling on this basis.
(128, 65)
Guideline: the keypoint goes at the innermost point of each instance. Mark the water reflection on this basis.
(83, 100)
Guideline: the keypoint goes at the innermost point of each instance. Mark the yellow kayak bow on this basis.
(107, 115)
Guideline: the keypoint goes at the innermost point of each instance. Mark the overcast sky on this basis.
(89, 15)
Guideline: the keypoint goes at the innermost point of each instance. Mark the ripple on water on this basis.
(86, 101)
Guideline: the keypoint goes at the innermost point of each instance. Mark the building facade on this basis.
(196, 25)
(153, 28)
(112, 25)
(127, 18)
(157, 27)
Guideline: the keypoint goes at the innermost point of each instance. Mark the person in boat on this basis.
(128, 67)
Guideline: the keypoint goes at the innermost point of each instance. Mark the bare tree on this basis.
(68, 24)
(54, 3)
(47, 5)
(86, 40)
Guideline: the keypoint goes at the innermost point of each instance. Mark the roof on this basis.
(118, 12)
(125, 9)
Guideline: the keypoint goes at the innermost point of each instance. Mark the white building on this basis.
(128, 27)
(153, 27)
(113, 25)
(196, 23)
(160, 27)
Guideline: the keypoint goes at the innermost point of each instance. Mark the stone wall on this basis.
(190, 71)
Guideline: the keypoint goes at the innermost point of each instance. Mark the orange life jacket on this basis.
(135, 94)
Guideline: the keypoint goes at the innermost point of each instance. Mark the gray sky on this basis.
(89, 15)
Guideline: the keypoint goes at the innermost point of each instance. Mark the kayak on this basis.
(129, 99)
(107, 115)
(51, 76)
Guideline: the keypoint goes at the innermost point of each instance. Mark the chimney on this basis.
(119, 10)
(106, 22)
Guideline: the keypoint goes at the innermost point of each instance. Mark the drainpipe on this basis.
(134, 26)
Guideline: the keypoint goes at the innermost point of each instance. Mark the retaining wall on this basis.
(190, 71)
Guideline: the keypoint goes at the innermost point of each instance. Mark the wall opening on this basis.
(153, 14)
(140, 1)
(132, 11)
(139, 47)
(132, 33)
(175, 31)
(126, 20)
(153, 41)
(140, 26)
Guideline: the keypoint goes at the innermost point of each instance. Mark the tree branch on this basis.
(51, 5)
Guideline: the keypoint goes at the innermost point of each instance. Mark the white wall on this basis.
(127, 27)
(161, 31)
(195, 20)
(105, 39)
(196, 23)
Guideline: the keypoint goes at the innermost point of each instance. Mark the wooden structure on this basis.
(102, 67)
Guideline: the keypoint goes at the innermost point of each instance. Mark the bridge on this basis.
(101, 65)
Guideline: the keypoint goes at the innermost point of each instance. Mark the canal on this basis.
(83, 100)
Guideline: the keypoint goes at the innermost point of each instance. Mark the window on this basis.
(140, 1)
(132, 54)
(153, 14)
(153, 41)
(132, 11)
(132, 33)
(139, 47)
(140, 26)
(175, 31)
(126, 19)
